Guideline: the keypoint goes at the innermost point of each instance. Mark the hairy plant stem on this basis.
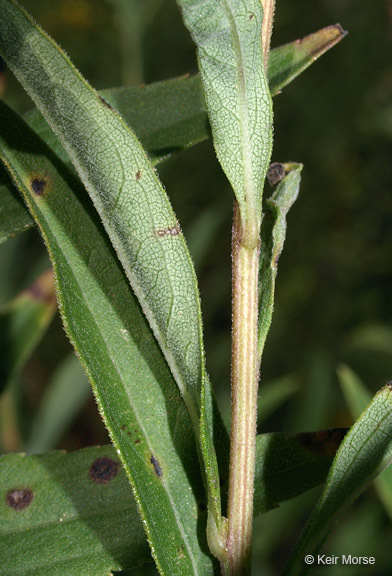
(245, 255)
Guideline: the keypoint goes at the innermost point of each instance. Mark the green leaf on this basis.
(23, 322)
(273, 234)
(133, 207)
(364, 453)
(227, 35)
(78, 522)
(289, 464)
(288, 61)
(169, 116)
(358, 397)
(68, 514)
(65, 396)
(134, 388)
(14, 218)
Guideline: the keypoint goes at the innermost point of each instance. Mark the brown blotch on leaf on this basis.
(102, 470)
(19, 498)
(138, 175)
(137, 441)
(105, 103)
(323, 443)
(156, 466)
(38, 186)
(251, 16)
(123, 426)
(275, 173)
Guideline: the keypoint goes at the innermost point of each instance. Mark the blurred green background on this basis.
(334, 288)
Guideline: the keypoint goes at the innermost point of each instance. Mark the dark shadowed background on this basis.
(334, 287)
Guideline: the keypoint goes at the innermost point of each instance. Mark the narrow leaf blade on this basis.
(132, 205)
(83, 499)
(290, 60)
(227, 35)
(357, 398)
(170, 116)
(289, 464)
(273, 234)
(64, 397)
(363, 454)
(135, 391)
(23, 322)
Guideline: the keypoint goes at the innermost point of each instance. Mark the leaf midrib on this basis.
(246, 150)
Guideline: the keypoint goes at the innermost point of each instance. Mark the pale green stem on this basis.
(268, 20)
(244, 402)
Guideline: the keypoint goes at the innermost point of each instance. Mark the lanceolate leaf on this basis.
(288, 61)
(134, 388)
(171, 115)
(358, 397)
(64, 397)
(23, 323)
(273, 234)
(72, 514)
(289, 464)
(364, 453)
(132, 205)
(68, 514)
(227, 35)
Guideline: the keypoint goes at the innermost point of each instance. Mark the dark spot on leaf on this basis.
(123, 426)
(157, 468)
(19, 498)
(323, 443)
(275, 173)
(129, 434)
(137, 441)
(103, 469)
(105, 103)
(138, 174)
(251, 16)
(38, 186)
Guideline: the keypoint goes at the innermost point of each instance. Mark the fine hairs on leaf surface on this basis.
(134, 388)
(90, 494)
(168, 116)
(83, 162)
(133, 207)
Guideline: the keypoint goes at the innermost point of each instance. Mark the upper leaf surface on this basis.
(68, 514)
(136, 394)
(365, 451)
(228, 38)
(85, 496)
